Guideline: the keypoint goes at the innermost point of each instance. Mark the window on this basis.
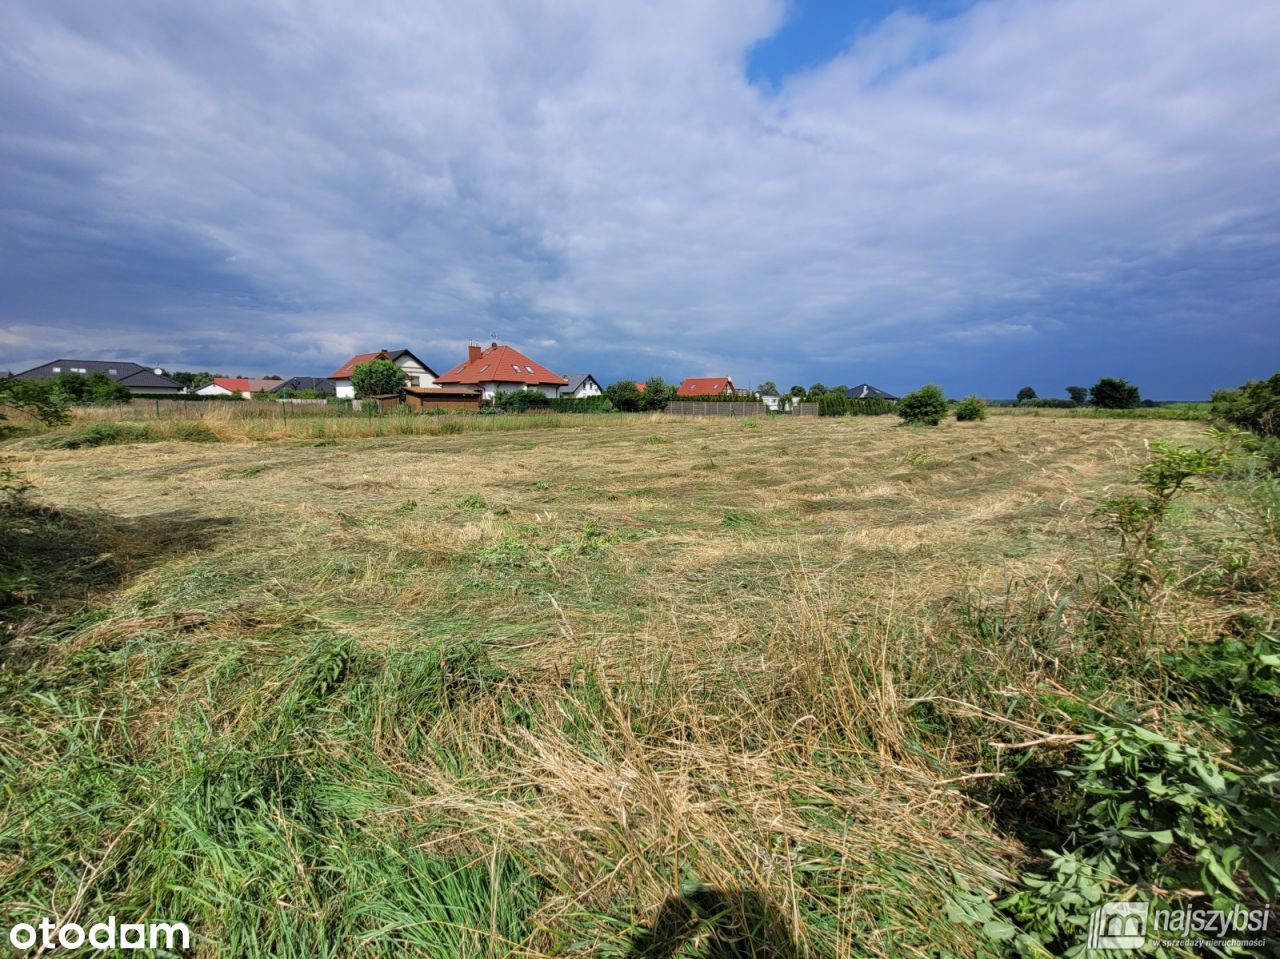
(112, 372)
(57, 369)
(516, 368)
(529, 370)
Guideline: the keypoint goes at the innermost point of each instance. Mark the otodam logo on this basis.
(110, 934)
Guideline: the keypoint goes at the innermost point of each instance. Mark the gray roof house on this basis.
(866, 391)
(580, 385)
(321, 384)
(138, 379)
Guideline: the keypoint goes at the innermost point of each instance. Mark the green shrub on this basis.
(971, 408)
(624, 396)
(378, 378)
(584, 404)
(1255, 406)
(925, 407)
(872, 406)
(518, 401)
(1111, 393)
(832, 404)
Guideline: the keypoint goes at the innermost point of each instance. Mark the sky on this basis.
(984, 194)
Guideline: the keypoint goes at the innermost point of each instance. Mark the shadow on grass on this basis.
(49, 557)
(728, 924)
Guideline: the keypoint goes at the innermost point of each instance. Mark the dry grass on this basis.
(666, 652)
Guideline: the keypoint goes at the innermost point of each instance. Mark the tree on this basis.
(1026, 393)
(815, 391)
(35, 398)
(272, 376)
(767, 388)
(1254, 406)
(378, 378)
(926, 406)
(657, 394)
(797, 392)
(624, 396)
(1111, 393)
(1079, 395)
(93, 389)
(192, 381)
(971, 408)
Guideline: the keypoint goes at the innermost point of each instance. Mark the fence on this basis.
(804, 409)
(717, 408)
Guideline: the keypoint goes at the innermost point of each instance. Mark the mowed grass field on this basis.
(506, 693)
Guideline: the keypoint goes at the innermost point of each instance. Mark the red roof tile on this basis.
(343, 372)
(705, 386)
(501, 364)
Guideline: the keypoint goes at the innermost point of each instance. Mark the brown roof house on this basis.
(502, 369)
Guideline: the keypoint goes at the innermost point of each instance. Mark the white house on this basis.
(581, 386)
(416, 372)
(503, 369)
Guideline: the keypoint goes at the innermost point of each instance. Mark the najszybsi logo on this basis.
(1128, 925)
(1118, 925)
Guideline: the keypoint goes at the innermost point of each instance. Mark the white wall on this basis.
(344, 390)
(490, 390)
(418, 374)
(588, 388)
(213, 389)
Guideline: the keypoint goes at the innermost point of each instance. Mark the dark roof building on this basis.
(137, 378)
(866, 391)
(320, 384)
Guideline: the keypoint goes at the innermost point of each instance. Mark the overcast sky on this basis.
(986, 195)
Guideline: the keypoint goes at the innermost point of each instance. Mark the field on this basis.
(554, 690)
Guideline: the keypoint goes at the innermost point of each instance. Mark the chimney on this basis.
(473, 352)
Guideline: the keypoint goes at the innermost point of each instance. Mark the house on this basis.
(866, 391)
(321, 384)
(771, 400)
(416, 372)
(581, 385)
(237, 385)
(138, 379)
(706, 386)
(503, 369)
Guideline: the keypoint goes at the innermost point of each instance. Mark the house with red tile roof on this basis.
(238, 385)
(502, 369)
(705, 386)
(416, 372)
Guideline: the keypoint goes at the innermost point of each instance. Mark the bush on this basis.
(624, 396)
(36, 398)
(971, 408)
(832, 404)
(1026, 393)
(583, 404)
(93, 389)
(1111, 393)
(1255, 406)
(378, 378)
(518, 401)
(657, 394)
(925, 407)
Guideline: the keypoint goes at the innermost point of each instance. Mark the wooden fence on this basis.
(804, 409)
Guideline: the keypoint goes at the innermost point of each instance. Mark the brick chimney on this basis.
(473, 352)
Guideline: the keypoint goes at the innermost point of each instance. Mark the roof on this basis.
(240, 384)
(502, 364)
(577, 379)
(321, 384)
(122, 371)
(705, 386)
(865, 391)
(343, 372)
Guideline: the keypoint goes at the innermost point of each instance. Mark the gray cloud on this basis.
(274, 185)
